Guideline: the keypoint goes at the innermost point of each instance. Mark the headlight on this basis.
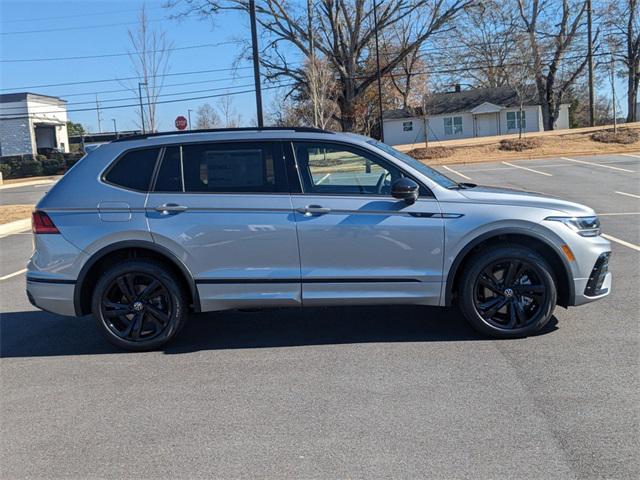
(585, 226)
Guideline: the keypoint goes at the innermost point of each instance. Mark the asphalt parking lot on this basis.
(394, 392)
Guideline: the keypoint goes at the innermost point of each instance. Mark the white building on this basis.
(32, 123)
(478, 112)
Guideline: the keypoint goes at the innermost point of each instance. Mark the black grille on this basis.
(600, 269)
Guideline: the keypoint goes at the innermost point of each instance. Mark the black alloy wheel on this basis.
(507, 292)
(139, 305)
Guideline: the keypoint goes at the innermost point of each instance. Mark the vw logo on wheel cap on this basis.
(137, 306)
(508, 292)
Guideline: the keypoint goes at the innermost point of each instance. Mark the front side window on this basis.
(134, 169)
(242, 167)
(338, 169)
(516, 120)
(453, 126)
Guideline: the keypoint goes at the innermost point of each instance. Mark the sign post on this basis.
(181, 122)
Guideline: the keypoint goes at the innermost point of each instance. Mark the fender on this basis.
(123, 245)
(496, 233)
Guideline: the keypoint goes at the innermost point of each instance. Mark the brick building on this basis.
(32, 123)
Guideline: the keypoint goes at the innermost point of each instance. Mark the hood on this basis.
(508, 196)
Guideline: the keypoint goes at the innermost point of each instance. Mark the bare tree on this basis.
(230, 117)
(150, 61)
(624, 20)
(552, 28)
(207, 117)
(321, 92)
(342, 33)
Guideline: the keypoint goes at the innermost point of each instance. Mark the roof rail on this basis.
(214, 130)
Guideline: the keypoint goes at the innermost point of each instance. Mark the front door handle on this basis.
(311, 210)
(167, 208)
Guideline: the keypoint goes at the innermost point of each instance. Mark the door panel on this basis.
(241, 248)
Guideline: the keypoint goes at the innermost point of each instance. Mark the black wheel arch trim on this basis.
(453, 271)
(103, 252)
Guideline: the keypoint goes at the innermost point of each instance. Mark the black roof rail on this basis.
(215, 130)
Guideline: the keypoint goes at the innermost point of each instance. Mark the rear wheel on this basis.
(507, 292)
(138, 305)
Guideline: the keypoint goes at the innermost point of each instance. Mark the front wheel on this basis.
(507, 292)
(138, 305)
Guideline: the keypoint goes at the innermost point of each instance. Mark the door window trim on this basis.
(425, 192)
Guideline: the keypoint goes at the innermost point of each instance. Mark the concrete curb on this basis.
(26, 184)
(15, 227)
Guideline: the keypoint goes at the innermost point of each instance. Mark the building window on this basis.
(453, 126)
(407, 126)
(516, 120)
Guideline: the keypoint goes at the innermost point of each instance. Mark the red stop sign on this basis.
(181, 122)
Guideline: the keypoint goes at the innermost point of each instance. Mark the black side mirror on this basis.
(405, 189)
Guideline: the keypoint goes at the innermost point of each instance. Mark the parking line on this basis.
(14, 274)
(627, 194)
(630, 155)
(617, 214)
(456, 172)
(621, 242)
(528, 169)
(598, 165)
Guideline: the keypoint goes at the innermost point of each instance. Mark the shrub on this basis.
(6, 170)
(29, 168)
(519, 144)
(624, 137)
(430, 153)
(70, 159)
(51, 166)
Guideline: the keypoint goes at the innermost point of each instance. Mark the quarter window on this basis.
(407, 126)
(453, 126)
(337, 169)
(134, 169)
(516, 120)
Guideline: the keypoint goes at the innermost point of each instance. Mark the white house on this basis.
(31, 122)
(478, 112)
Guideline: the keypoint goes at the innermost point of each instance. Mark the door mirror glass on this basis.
(405, 189)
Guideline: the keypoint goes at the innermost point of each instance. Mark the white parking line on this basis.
(14, 274)
(528, 169)
(621, 242)
(617, 214)
(627, 194)
(630, 155)
(598, 165)
(456, 172)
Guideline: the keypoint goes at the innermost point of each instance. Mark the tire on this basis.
(507, 292)
(138, 305)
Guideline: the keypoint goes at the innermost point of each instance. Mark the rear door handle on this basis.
(167, 208)
(310, 210)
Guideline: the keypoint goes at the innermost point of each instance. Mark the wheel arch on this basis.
(515, 236)
(124, 250)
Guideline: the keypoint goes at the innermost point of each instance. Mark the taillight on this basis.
(41, 223)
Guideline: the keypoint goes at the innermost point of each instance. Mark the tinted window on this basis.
(170, 176)
(232, 167)
(338, 169)
(134, 169)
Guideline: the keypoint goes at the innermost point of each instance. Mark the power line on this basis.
(84, 27)
(36, 19)
(123, 54)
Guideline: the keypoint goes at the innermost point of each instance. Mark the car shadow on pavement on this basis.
(38, 334)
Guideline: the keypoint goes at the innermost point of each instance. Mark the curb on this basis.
(15, 227)
(26, 184)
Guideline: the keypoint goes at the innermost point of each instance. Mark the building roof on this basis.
(21, 96)
(465, 101)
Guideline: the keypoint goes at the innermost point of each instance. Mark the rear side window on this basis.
(134, 169)
(247, 167)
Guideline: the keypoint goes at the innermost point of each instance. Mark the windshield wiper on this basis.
(463, 186)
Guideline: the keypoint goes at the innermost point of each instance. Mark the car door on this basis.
(357, 243)
(225, 209)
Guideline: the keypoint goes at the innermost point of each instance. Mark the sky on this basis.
(91, 27)
(50, 29)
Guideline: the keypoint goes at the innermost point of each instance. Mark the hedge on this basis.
(20, 166)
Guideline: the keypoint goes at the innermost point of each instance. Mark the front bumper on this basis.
(597, 285)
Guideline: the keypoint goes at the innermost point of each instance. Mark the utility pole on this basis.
(312, 60)
(189, 116)
(115, 127)
(375, 26)
(592, 103)
(256, 62)
(98, 112)
(141, 107)
(613, 93)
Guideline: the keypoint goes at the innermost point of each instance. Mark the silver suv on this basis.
(146, 229)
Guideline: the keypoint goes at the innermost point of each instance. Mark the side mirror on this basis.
(405, 189)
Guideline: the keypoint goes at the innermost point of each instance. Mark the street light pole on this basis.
(375, 26)
(115, 128)
(140, 84)
(256, 62)
(189, 115)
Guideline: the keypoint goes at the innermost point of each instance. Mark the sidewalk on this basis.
(26, 182)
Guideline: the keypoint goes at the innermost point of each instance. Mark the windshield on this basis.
(434, 175)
